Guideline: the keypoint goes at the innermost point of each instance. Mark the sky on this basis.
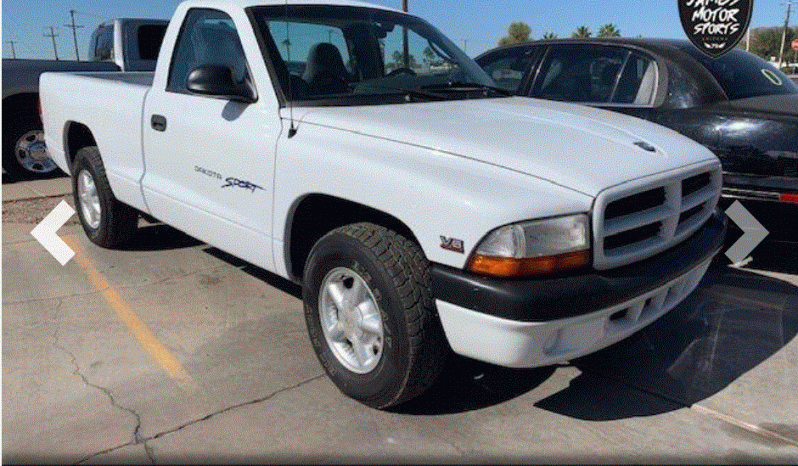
(475, 25)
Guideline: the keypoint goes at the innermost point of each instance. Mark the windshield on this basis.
(338, 55)
(743, 75)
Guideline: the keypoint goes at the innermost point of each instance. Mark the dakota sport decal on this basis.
(230, 182)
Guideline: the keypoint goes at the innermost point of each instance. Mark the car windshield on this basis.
(743, 75)
(339, 55)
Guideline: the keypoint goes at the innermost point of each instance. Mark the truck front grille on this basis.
(637, 220)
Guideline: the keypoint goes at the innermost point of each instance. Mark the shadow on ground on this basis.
(734, 321)
(9, 178)
(159, 237)
(468, 385)
(273, 280)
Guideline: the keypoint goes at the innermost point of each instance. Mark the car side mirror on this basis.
(217, 81)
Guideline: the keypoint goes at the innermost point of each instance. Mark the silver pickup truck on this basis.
(122, 44)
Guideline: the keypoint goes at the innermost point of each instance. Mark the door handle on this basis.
(158, 123)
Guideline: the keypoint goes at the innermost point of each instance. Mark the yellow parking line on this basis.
(165, 359)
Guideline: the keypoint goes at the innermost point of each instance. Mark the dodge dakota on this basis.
(356, 150)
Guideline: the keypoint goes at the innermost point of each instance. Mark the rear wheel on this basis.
(106, 221)
(370, 314)
(24, 151)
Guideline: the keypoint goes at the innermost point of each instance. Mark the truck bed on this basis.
(22, 75)
(142, 78)
(115, 119)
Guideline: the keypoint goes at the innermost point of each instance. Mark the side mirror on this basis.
(217, 81)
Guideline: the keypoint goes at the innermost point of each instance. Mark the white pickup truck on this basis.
(356, 150)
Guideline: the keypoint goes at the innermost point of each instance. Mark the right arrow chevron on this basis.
(753, 233)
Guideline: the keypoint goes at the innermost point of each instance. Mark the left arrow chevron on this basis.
(45, 233)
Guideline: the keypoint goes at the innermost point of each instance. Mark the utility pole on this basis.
(465, 45)
(788, 3)
(74, 28)
(53, 35)
(13, 50)
(406, 46)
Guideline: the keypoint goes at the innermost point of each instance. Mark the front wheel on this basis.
(370, 314)
(106, 221)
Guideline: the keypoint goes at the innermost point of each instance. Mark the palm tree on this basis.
(549, 35)
(609, 30)
(582, 32)
(429, 57)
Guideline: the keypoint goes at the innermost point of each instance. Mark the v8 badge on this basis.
(453, 244)
(715, 26)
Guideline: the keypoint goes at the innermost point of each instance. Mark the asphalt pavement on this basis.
(171, 351)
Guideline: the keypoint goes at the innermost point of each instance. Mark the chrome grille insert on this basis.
(637, 220)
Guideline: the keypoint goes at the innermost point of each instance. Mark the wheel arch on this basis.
(76, 136)
(315, 215)
(27, 102)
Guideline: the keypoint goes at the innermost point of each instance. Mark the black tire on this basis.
(20, 135)
(396, 272)
(115, 223)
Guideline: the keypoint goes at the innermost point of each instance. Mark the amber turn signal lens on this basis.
(504, 267)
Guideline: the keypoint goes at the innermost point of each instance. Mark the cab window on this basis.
(638, 81)
(208, 37)
(102, 44)
(596, 74)
(508, 67)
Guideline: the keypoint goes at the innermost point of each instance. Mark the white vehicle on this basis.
(356, 150)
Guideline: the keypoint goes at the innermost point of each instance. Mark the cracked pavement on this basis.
(712, 382)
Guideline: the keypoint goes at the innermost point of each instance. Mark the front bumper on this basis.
(529, 323)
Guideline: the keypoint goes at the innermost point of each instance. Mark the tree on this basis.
(517, 33)
(582, 32)
(429, 57)
(609, 30)
(549, 35)
(765, 42)
(399, 61)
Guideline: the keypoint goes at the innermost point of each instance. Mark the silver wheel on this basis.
(89, 199)
(351, 321)
(31, 153)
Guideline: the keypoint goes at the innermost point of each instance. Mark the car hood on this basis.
(578, 147)
(783, 104)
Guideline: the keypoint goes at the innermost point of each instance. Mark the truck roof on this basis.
(251, 3)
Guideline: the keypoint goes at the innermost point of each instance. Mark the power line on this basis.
(53, 35)
(13, 50)
(74, 28)
(88, 14)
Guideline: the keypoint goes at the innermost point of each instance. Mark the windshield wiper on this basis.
(462, 85)
(410, 94)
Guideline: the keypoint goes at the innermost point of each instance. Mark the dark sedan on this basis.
(739, 106)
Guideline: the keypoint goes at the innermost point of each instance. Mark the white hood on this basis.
(578, 147)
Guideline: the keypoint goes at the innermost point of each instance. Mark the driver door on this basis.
(210, 161)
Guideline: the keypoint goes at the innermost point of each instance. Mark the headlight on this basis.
(534, 248)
